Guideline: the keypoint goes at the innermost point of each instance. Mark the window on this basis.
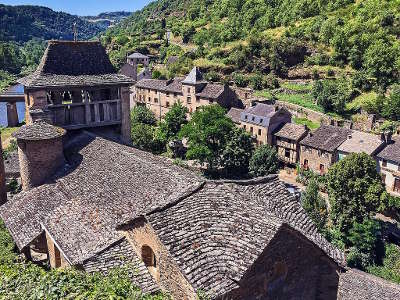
(149, 99)
(167, 94)
(287, 153)
(259, 131)
(322, 169)
(211, 101)
(305, 164)
(167, 104)
(383, 176)
(155, 100)
(261, 120)
(244, 127)
(188, 90)
(384, 163)
(253, 118)
(396, 187)
(245, 117)
(189, 100)
(148, 257)
(251, 129)
(197, 99)
(174, 95)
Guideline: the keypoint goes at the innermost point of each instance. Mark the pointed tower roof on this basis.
(194, 77)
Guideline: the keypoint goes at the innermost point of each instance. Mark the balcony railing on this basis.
(81, 115)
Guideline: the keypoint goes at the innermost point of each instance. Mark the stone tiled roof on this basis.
(39, 130)
(260, 114)
(234, 114)
(194, 77)
(211, 91)
(357, 285)
(174, 86)
(292, 131)
(358, 142)
(88, 199)
(137, 55)
(69, 63)
(392, 151)
(217, 233)
(128, 70)
(11, 165)
(153, 84)
(327, 138)
(120, 254)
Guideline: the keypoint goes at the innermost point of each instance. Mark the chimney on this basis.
(3, 191)
(389, 137)
(40, 151)
(383, 137)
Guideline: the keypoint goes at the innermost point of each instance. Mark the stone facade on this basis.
(390, 172)
(164, 269)
(290, 267)
(316, 159)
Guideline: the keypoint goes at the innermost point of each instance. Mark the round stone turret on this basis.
(40, 151)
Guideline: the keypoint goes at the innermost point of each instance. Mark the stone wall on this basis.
(167, 274)
(290, 267)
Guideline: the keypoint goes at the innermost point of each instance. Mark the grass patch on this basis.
(206, 63)
(297, 87)
(304, 121)
(263, 94)
(304, 100)
(6, 135)
(365, 101)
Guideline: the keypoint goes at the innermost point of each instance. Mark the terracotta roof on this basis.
(392, 151)
(327, 138)
(137, 55)
(194, 77)
(358, 142)
(39, 130)
(68, 63)
(87, 199)
(154, 84)
(234, 114)
(357, 285)
(292, 131)
(211, 91)
(219, 231)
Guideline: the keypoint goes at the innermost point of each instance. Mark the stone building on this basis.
(389, 164)
(192, 91)
(261, 121)
(319, 150)
(287, 141)
(361, 142)
(131, 67)
(75, 86)
(177, 232)
(11, 96)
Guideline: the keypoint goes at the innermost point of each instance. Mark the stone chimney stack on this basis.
(3, 191)
(40, 151)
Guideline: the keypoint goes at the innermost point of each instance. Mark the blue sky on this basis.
(84, 7)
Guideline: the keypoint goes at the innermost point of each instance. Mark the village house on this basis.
(361, 142)
(192, 92)
(95, 204)
(319, 150)
(131, 67)
(261, 121)
(176, 231)
(75, 86)
(287, 141)
(389, 164)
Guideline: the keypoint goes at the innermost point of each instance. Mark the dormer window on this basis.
(261, 120)
(253, 118)
(245, 117)
(148, 257)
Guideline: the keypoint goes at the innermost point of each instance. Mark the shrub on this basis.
(264, 161)
(240, 80)
(315, 205)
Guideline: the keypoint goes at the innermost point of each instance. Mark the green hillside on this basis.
(23, 23)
